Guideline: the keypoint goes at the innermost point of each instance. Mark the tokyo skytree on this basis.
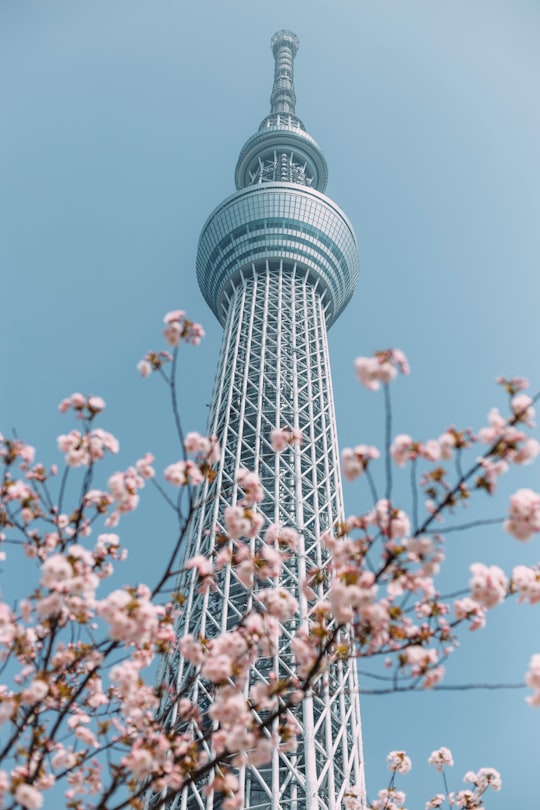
(277, 263)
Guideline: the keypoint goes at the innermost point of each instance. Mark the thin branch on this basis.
(174, 400)
(62, 488)
(388, 440)
(414, 493)
(443, 688)
(162, 492)
(472, 525)
(372, 487)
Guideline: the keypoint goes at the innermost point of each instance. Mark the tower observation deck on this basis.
(277, 263)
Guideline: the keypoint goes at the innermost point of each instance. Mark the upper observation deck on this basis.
(279, 210)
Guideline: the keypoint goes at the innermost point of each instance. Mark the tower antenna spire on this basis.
(284, 45)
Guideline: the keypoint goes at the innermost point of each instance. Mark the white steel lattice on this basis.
(274, 370)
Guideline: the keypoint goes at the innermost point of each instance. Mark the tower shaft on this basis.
(277, 262)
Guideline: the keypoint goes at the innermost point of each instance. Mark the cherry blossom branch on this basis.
(388, 440)
(443, 688)
(473, 524)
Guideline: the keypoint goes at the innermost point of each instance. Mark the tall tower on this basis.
(277, 263)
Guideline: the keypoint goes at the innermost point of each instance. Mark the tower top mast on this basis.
(281, 149)
(285, 46)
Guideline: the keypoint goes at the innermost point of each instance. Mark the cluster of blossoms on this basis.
(123, 491)
(370, 599)
(392, 522)
(178, 329)
(16, 451)
(243, 520)
(526, 582)
(124, 488)
(153, 361)
(355, 460)
(488, 584)
(60, 714)
(188, 472)
(82, 449)
(524, 514)
(381, 368)
(471, 798)
(281, 438)
(224, 663)
(389, 799)
(509, 445)
(250, 563)
(441, 758)
(399, 763)
(84, 407)
(404, 449)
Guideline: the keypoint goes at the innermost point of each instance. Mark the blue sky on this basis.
(123, 120)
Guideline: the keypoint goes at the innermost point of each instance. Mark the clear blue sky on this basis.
(122, 122)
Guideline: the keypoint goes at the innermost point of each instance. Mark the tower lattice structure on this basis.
(277, 263)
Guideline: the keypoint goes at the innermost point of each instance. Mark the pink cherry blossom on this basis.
(144, 368)
(56, 571)
(7, 625)
(178, 328)
(398, 762)
(183, 473)
(207, 448)
(144, 466)
(400, 449)
(176, 316)
(468, 608)
(523, 409)
(526, 581)
(393, 523)
(355, 461)
(389, 799)
(368, 372)
(436, 801)
(217, 668)
(353, 798)
(441, 758)
(484, 778)
(250, 483)
(86, 407)
(83, 449)
(527, 452)
(404, 449)
(524, 514)
(153, 361)
(28, 797)
(281, 438)
(418, 658)
(237, 521)
(284, 536)
(279, 602)
(382, 367)
(35, 692)
(140, 762)
(497, 428)
(489, 584)
(191, 649)
(131, 616)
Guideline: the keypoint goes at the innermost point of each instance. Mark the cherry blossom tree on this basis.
(79, 703)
